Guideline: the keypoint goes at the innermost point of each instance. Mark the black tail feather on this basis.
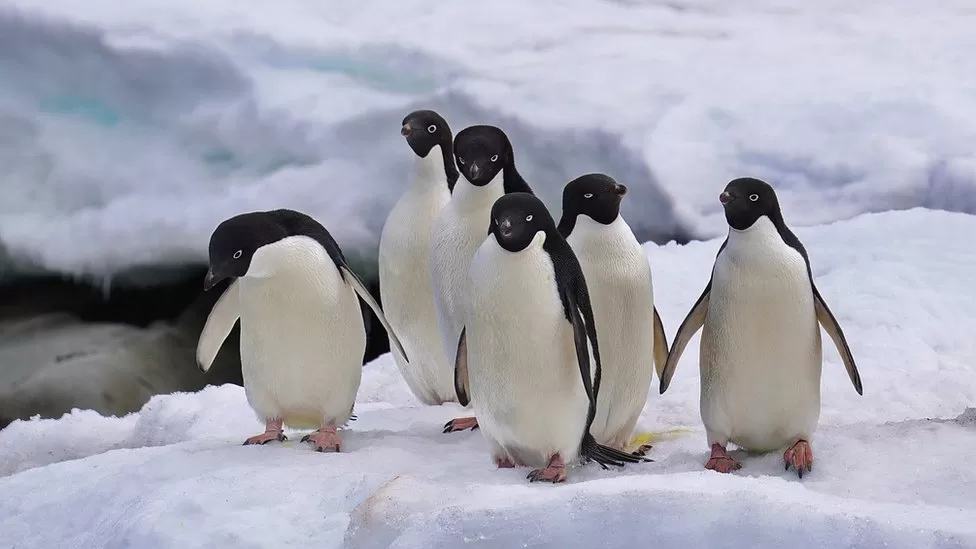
(590, 449)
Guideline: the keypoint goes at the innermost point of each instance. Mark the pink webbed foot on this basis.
(721, 461)
(800, 456)
(272, 431)
(504, 463)
(460, 424)
(325, 439)
(555, 472)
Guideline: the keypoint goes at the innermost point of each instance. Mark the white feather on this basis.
(618, 278)
(219, 323)
(406, 289)
(760, 346)
(302, 335)
(460, 228)
(525, 382)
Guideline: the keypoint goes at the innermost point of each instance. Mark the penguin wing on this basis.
(364, 294)
(691, 324)
(219, 323)
(461, 369)
(660, 345)
(830, 324)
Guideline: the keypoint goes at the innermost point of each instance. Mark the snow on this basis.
(892, 467)
(147, 124)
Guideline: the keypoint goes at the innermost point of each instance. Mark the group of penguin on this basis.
(547, 331)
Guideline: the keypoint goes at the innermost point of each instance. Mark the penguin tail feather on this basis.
(591, 450)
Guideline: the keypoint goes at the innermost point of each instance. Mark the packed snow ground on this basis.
(144, 124)
(892, 468)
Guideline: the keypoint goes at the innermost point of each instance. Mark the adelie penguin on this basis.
(761, 354)
(618, 276)
(406, 291)
(302, 329)
(486, 161)
(528, 356)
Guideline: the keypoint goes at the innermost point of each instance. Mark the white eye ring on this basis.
(460, 161)
(588, 195)
(431, 129)
(528, 217)
(238, 254)
(753, 197)
(494, 158)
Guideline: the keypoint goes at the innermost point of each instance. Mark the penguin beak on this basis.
(620, 190)
(211, 280)
(474, 170)
(505, 227)
(406, 130)
(725, 198)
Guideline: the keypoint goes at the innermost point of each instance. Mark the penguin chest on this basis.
(525, 381)
(618, 278)
(302, 343)
(761, 346)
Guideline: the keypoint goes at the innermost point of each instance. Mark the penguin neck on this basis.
(762, 233)
(586, 228)
(434, 171)
(468, 196)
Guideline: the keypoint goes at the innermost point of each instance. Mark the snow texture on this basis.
(893, 468)
(127, 132)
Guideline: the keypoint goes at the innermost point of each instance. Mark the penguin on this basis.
(528, 356)
(761, 353)
(406, 291)
(302, 329)
(485, 158)
(618, 276)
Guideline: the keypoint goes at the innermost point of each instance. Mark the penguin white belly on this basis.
(760, 346)
(618, 277)
(407, 295)
(458, 232)
(302, 344)
(523, 375)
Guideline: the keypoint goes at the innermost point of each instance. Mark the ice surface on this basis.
(128, 132)
(892, 467)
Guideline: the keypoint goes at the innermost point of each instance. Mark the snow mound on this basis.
(891, 467)
(145, 125)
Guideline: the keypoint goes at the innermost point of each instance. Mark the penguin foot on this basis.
(800, 456)
(460, 424)
(554, 473)
(325, 439)
(721, 461)
(272, 431)
(504, 463)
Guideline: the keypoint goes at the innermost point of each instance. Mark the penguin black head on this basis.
(516, 219)
(594, 195)
(481, 152)
(746, 199)
(425, 128)
(234, 241)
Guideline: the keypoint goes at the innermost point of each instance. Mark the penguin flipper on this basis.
(832, 327)
(691, 324)
(660, 345)
(219, 323)
(461, 369)
(364, 294)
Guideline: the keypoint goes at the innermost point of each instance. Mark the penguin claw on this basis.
(642, 450)
(800, 456)
(555, 472)
(461, 424)
(720, 461)
(265, 438)
(325, 439)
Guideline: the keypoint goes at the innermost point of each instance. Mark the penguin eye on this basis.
(460, 161)
(528, 217)
(494, 158)
(588, 195)
(753, 197)
(238, 254)
(432, 128)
